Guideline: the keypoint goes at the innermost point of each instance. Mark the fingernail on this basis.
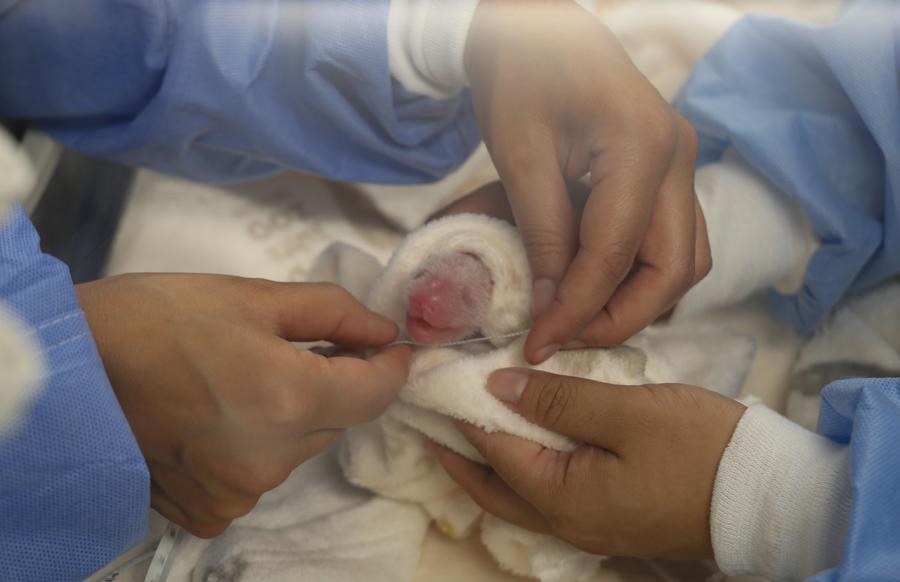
(546, 353)
(575, 345)
(542, 295)
(507, 385)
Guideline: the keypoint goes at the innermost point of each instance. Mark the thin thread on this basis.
(475, 340)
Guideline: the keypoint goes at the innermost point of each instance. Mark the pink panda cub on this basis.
(457, 278)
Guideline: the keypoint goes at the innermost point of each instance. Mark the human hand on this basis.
(222, 404)
(640, 484)
(557, 97)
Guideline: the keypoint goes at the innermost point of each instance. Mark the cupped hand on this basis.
(639, 485)
(557, 98)
(222, 404)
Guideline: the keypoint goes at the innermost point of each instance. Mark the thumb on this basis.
(591, 412)
(324, 311)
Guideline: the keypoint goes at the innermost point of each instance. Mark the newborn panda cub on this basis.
(458, 278)
(448, 300)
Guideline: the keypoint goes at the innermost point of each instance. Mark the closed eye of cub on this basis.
(448, 299)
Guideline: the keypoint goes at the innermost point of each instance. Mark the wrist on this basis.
(781, 501)
(427, 42)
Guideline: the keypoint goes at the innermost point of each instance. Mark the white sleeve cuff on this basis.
(782, 499)
(427, 42)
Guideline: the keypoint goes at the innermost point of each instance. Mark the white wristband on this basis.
(782, 499)
(427, 42)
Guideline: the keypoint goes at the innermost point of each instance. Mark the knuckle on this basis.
(553, 399)
(519, 151)
(616, 258)
(206, 530)
(688, 138)
(234, 509)
(335, 291)
(703, 264)
(545, 244)
(261, 295)
(682, 278)
(659, 132)
(259, 289)
(259, 477)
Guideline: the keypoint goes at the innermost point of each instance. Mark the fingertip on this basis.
(540, 345)
(381, 329)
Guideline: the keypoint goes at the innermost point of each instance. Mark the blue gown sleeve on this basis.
(866, 414)
(817, 111)
(74, 488)
(224, 90)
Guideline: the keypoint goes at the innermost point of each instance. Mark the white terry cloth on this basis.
(21, 364)
(448, 383)
(759, 237)
(782, 498)
(427, 41)
(860, 340)
(315, 527)
(426, 44)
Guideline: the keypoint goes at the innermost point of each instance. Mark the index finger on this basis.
(324, 311)
(347, 391)
(667, 257)
(625, 183)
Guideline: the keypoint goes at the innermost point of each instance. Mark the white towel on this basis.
(448, 383)
(315, 527)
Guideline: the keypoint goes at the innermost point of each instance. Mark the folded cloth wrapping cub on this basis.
(758, 240)
(448, 382)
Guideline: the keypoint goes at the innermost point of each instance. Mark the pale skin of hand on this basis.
(222, 404)
(558, 98)
(639, 485)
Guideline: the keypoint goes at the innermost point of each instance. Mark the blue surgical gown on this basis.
(215, 90)
(817, 110)
(211, 90)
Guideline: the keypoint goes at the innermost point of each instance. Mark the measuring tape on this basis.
(475, 340)
(165, 554)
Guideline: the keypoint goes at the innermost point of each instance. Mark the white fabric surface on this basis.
(446, 383)
(426, 44)
(314, 528)
(427, 41)
(782, 498)
(759, 238)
